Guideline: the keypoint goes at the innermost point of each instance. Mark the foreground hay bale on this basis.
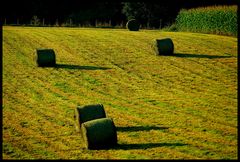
(163, 46)
(99, 133)
(87, 113)
(133, 25)
(46, 57)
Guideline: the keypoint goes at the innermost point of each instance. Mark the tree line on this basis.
(151, 14)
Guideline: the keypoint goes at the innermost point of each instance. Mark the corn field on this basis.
(215, 20)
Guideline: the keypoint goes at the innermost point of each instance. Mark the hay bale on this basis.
(46, 57)
(87, 113)
(133, 25)
(164, 46)
(99, 133)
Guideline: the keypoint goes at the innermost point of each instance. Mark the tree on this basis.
(151, 15)
(35, 21)
(136, 10)
(90, 12)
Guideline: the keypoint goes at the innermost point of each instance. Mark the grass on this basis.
(164, 107)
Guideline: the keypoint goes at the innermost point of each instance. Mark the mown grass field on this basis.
(164, 107)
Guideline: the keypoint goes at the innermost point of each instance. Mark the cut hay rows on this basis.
(182, 106)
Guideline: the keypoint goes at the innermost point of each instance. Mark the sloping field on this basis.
(164, 107)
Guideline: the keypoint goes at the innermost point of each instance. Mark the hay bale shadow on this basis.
(145, 145)
(186, 55)
(78, 67)
(140, 128)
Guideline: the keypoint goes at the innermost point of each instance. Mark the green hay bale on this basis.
(133, 25)
(46, 57)
(99, 133)
(87, 113)
(164, 46)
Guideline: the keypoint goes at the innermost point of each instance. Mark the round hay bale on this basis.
(99, 133)
(164, 46)
(46, 57)
(133, 25)
(88, 112)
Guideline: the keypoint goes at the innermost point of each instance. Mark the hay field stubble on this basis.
(164, 107)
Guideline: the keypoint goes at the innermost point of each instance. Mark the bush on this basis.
(215, 20)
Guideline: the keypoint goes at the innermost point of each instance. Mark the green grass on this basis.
(164, 107)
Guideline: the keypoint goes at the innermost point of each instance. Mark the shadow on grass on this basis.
(139, 146)
(183, 55)
(78, 67)
(140, 128)
(145, 145)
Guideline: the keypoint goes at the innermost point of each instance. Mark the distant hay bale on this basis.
(88, 112)
(46, 57)
(163, 46)
(99, 133)
(133, 25)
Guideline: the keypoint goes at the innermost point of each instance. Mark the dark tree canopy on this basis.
(149, 13)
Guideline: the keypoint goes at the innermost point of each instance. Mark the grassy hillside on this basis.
(164, 107)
